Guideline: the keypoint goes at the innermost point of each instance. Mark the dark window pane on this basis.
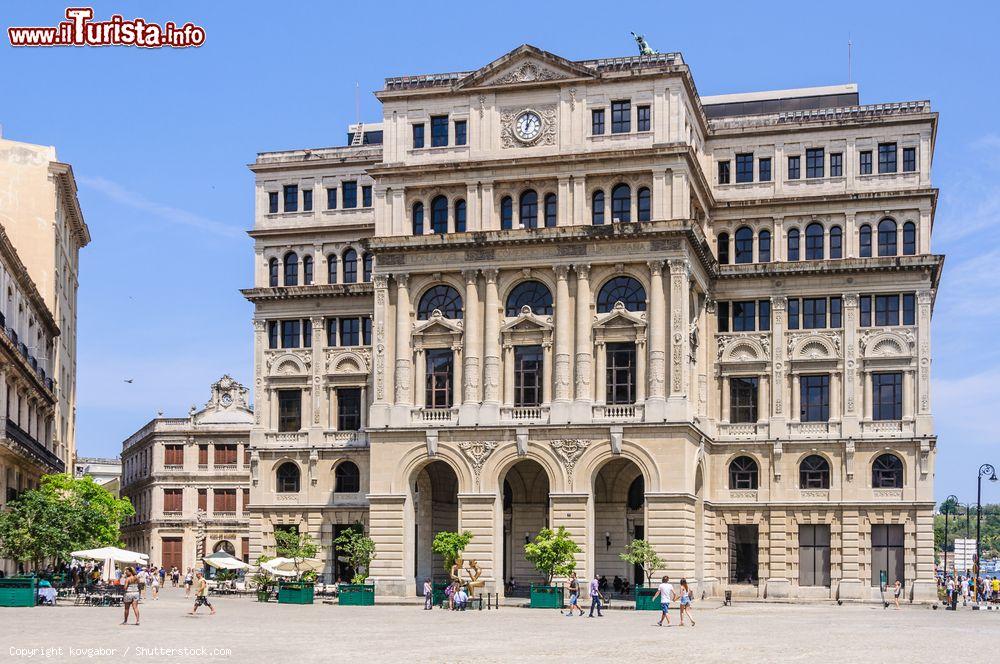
(909, 239)
(626, 290)
(621, 117)
(836, 312)
(418, 136)
(331, 198)
(272, 272)
(621, 203)
(442, 298)
(307, 334)
(418, 219)
(793, 314)
(909, 310)
(460, 216)
(887, 237)
(909, 160)
(723, 248)
(743, 473)
(460, 132)
(744, 245)
(506, 213)
(865, 310)
(744, 316)
(439, 131)
(744, 168)
(533, 294)
(439, 376)
(289, 410)
(291, 269)
(764, 246)
(886, 310)
(865, 162)
(836, 242)
(643, 117)
(887, 396)
(439, 215)
(743, 400)
(347, 477)
(272, 202)
(887, 472)
(331, 331)
(366, 331)
(350, 266)
(644, 204)
(886, 157)
(815, 158)
(291, 192)
(793, 168)
(307, 270)
(349, 191)
(763, 315)
(814, 242)
(272, 334)
(307, 200)
(723, 316)
(813, 313)
(597, 208)
(597, 122)
(764, 169)
(290, 334)
(815, 398)
(865, 241)
(366, 196)
(814, 473)
(350, 329)
(620, 373)
(793, 244)
(723, 172)
(527, 375)
(836, 164)
(348, 410)
(529, 209)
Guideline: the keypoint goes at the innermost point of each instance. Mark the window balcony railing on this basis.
(172, 514)
(224, 515)
(814, 429)
(885, 427)
(286, 437)
(743, 495)
(435, 415)
(627, 412)
(173, 466)
(225, 467)
(525, 413)
(347, 438)
(33, 447)
(741, 429)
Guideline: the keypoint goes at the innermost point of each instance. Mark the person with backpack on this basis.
(686, 597)
(665, 591)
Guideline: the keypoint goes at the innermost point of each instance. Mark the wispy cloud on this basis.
(169, 214)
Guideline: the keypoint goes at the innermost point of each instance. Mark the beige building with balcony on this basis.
(556, 293)
(188, 479)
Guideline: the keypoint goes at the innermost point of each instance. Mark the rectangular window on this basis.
(887, 396)
(439, 131)
(744, 316)
(621, 117)
(349, 332)
(224, 500)
(349, 409)
(331, 198)
(173, 500)
(290, 333)
(246, 456)
(743, 400)
(814, 162)
(793, 168)
(203, 456)
(173, 455)
(836, 307)
(366, 196)
(909, 309)
(744, 168)
(813, 313)
(793, 314)
(909, 160)
(597, 122)
(460, 132)
(643, 118)
(246, 510)
(764, 169)
(366, 331)
(331, 331)
(225, 454)
(418, 136)
(763, 315)
(836, 164)
(272, 202)
(865, 310)
(723, 316)
(814, 393)
(289, 410)
(886, 310)
(350, 194)
(865, 162)
(887, 555)
(291, 197)
(439, 374)
(814, 555)
(886, 157)
(620, 374)
(203, 500)
(307, 334)
(307, 200)
(724, 172)
(527, 375)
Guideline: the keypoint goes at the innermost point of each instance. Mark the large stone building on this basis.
(188, 479)
(104, 471)
(40, 210)
(556, 293)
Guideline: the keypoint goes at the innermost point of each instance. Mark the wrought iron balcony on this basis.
(34, 448)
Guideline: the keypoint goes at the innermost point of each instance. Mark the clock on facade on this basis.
(528, 126)
(227, 399)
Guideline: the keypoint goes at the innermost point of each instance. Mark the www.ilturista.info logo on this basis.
(80, 30)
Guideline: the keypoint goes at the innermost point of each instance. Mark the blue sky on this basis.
(159, 141)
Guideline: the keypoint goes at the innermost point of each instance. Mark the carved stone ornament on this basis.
(529, 72)
(547, 135)
(570, 450)
(477, 451)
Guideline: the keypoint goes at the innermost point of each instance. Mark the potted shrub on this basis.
(640, 552)
(262, 580)
(552, 554)
(359, 549)
(297, 546)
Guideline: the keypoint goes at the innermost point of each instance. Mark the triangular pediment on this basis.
(526, 321)
(620, 317)
(526, 64)
(437, 324)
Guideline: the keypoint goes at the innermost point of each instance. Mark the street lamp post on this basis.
(950, 501)
(984, 470)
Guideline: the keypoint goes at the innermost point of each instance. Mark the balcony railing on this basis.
(286, 437)
(435, 415)
(741, 429)
(226, 467)
(628, 412)
(525, 413)
(224, 515)
(347, 438)
(35, 448)
(172, 514)
(886, 427)
(814, 429)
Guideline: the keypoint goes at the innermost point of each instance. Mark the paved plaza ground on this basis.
(247, 633)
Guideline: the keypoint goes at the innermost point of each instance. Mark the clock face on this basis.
(528, 126)
(226, 399)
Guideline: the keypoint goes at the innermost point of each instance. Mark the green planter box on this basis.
(546, 597)
(263, 595)
(18, 591)
(357, 594)
(644, 600)
(295, 593)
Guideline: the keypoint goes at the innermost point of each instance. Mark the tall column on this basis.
(724, 414)
(852, 399)
(403, 375)
(678, 402)
(469, 413)
(656, 403)
(490, 409)
(582, 411)
(560, 413)
(488, 223)
(381, 378)
(924, 424)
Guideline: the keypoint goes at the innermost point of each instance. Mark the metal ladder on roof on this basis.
(358, 137)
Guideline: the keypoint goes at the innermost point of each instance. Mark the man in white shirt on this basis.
(665, 591)
(461, 599)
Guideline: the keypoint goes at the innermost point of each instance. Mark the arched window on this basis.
(626, 290)
(793, 244)
(348, 478)
(865, 241)
(287, 478)
(814, 473)
(744, 245)
(459, 216)
(418, 218)
(272, 272)
(529, 209)
(533, 294)
(439, 215)
(836, 242)
(723, 249)
(367, 262)
(506, 213)
(887, 237)
(597, 208)
(814, 242)
(909, 239)
(350, 266)
(644, 204)
(764, 247)
(307, 270)
(742, 473)
(621, 203)
(291, 269)
(443, 298)
(551, 210)
(331, 268)
(887, 472)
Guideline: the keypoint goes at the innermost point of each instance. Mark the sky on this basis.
(159, 140)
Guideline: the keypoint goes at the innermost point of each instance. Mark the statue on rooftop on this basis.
(644, 48)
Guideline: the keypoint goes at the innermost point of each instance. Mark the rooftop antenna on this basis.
(850, 47)
(357, 103)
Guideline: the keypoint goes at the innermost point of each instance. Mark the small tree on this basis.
(640, 552)
(262, 578)
(295, 545)
(450, 546)
(552, 553)
(359, 550)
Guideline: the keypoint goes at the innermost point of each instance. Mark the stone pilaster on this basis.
(680, 346)
(382, 378)
(560, 411)
(490, 409)
(471, 350)
(852, 390)
(403, 377)
(656, 405)
(779, 367)
(584, 373)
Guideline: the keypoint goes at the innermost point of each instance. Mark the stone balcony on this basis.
(814, 429)
(742, 429)
(525, 414)
(887, 428)
(629, 412)
(286, 437)
(434, 415)
(346, 438)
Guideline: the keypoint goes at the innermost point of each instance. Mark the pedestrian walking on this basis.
(131, 599)
(141, 575)
(188, 580)
(175, 576)
(595, 596)
(574, 595)
(686, 598)
(201, 594)
(897, 590)
(155, 579)
(428, 594)
(665, 591)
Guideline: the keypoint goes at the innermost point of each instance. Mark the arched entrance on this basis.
(435, 503)
(224, 545)
(525, 512)
(619, 517)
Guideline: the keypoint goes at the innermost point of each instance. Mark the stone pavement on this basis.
(246, 632)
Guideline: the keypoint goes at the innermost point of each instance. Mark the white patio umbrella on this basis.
(222, 560)
(110, 555)
(290, 567)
